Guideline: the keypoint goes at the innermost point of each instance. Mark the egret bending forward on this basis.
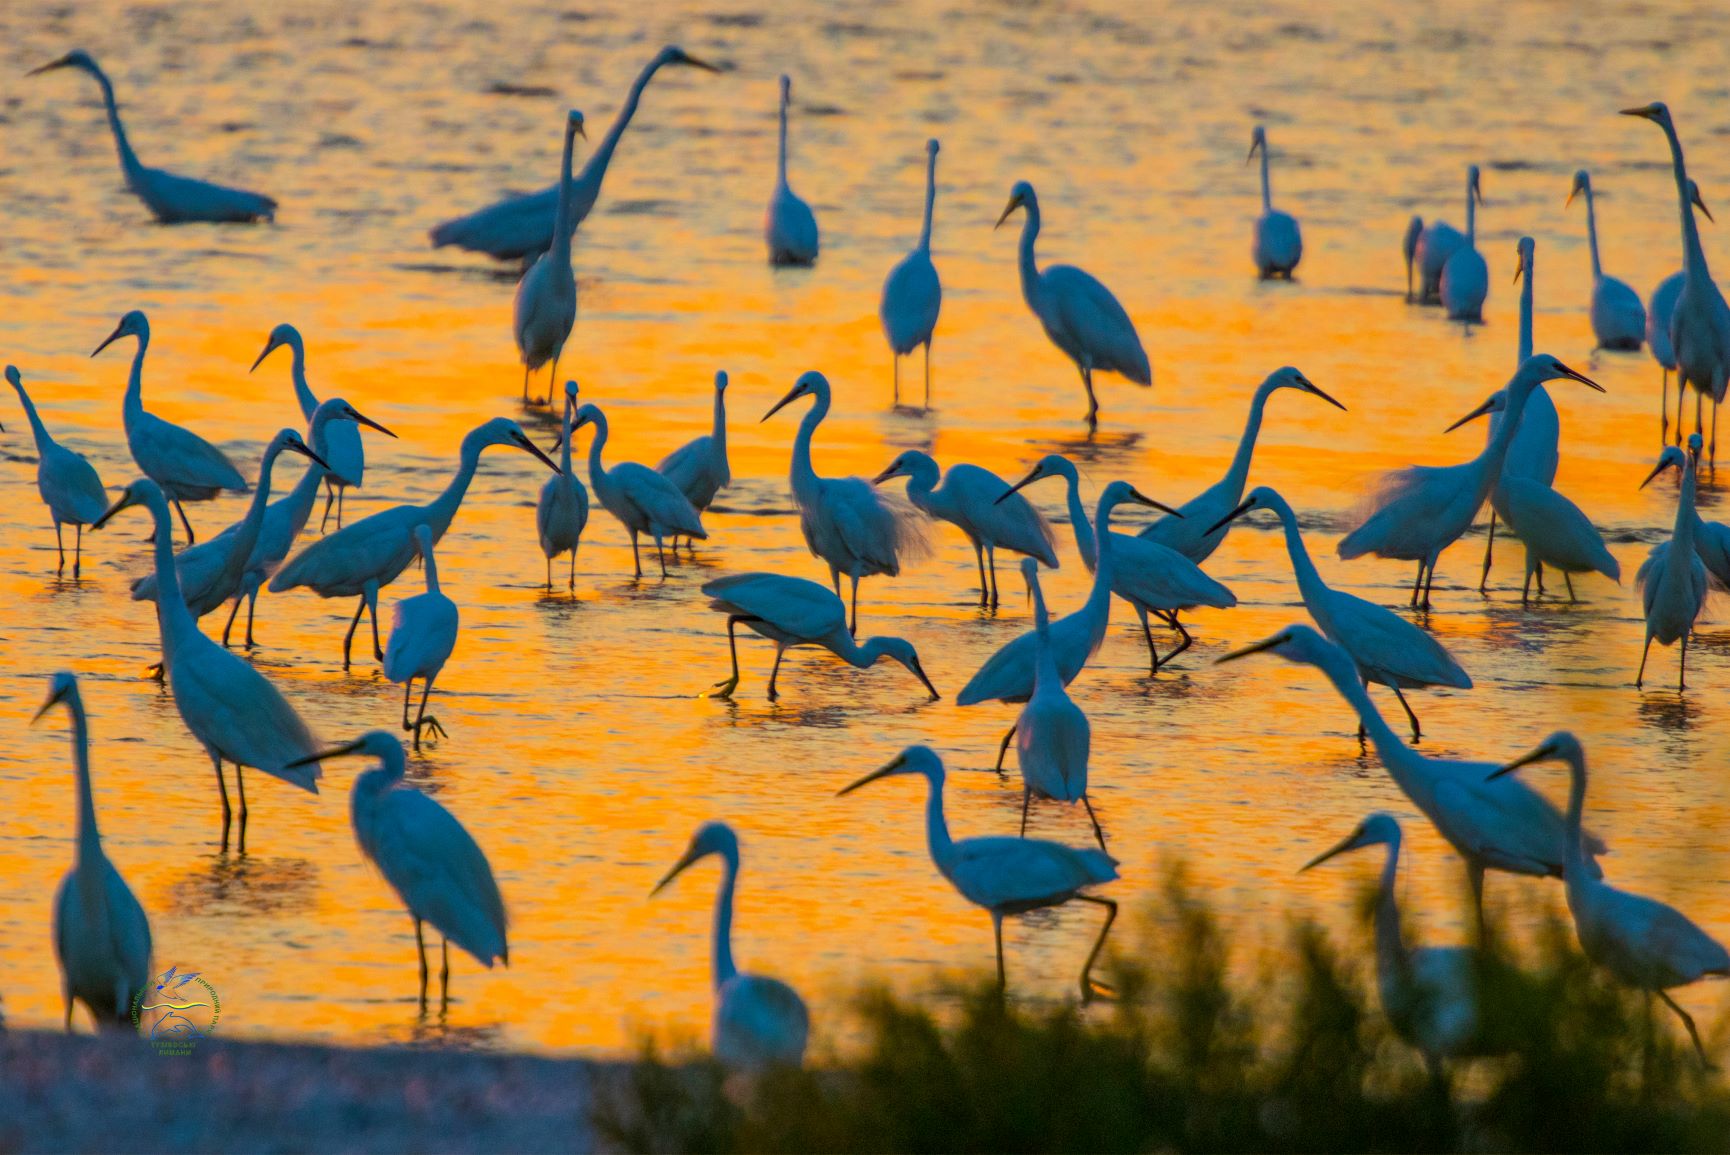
(68, 483)
(421, 639)
(912, 294)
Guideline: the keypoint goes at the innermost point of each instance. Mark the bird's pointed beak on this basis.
(53, 701)
(49, 67)
(1644, 113)
(125, 500)
(703, 64)
(1255, 648)
(892, 471)
(919, 672)
(536, 450)
(1520, 268)
(1580, 377)
(792, 395)
(686, 860)
(581, 131)
(881, 772)
(1310, 387)
(1248, 504)
(338, 752)
(1487, 407)
(360, 418)
(1700, 204)
(1656, 470)
(1572, 193)
(112, 337)
(306, 451)
(1028, 480)
(269, 348)
(1141, 498)
(1538, 755)
(1014, 203)
(1349, 842)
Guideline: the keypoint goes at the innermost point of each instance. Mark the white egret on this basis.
(1421, 510)
(699, 467)
(520, 226)
(1152, 578)
(183, 464)
(642, 500)
(563, 509)
(1618, 317)
(1005, 876)
(101, 934)
(1700, 322)
(1430, 995)
(432, 862)
(1008, 675)
(1279, 243)
(545, 310)
(1659, 309)
(171, 198)
(422, 636)
(1643, 943)
(68, 483)
(363, 557)
(1465, 278)
(1490, 825)
(1409, 248)
(791, 611)
(790, 227)
(234, 711)
(342, 447)
(1052, 735)
(1078, 313)
(1711, 538)
(1198, 532)
(1386, 649)
(1439, 240)
(978, 503)
(912, 294)
(759, 1021)
(285, 517)
(1672, 579)
(847, 522)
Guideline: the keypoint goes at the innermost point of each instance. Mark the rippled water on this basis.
(579, 754)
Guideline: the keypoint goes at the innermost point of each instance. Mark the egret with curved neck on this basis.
(699, 467)
(342, 446)
(1279, 244)
(790, 226)
(68, 483)
(545, 310)
(912, 293)
(1618, 317)
(1672, 579)
(642, 500)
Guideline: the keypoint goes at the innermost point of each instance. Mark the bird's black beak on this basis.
(268, 350)
(881, 772)
(795, 393)
(1487, 407)
(1141, 498)
(1580, 377)
(306, 451)
(112, 337)
(919, 672)
(125, 501)
(703, 64)
(346, 748)
(1028, 480)
(1258, 647)
(1656, 470)
(525, 443)
(1311, 387)
(359, 418)
(1248, 504)
(1538, 755)
(892, 471)
(1014, 203)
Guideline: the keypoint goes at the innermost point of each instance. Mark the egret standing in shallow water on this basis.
(790, 227)
(546, 303)
(434, 865)
(185, 465)
(1711, 538)
(791, 611)
(759, 1021)
(699, 467)
(342, 449)
(171, 198)
(847, 522)
(101, 935)
(1672, 579)
(1078, 313)
(234, 711)
(563, 510)
(1643, 943)
(1279, 244)
(1422, 510)
(1006, 875)
(1052, 735)
(1618, 317)
(421, 639)
(980, 504)
(642, 500)
(1438, 241)
(519, 227)
(68, 483)
(1465, 278)
(912, 294)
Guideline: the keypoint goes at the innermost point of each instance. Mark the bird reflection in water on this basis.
(222, 884)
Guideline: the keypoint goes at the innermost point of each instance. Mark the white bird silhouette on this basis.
(699, 467)
(342, 447)
(912, 294)
(563, 509)
(790, 227)
(1279, 243)
(68, 483)
(1052, 735)
(422, 636)
(1672, 579)
(545, 310)
(1618, 317)
(642, 500)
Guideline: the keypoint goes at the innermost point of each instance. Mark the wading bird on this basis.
(1643, 943)
(563, 510)
(422, 637)
(101, 935)
(519, 227)
(912, 294)
(1420, 511)
(1490, 825)
(545, 310)
(1439, 240)
(978, 503)
(759, 1021)
(790, 228)
(847, 522)
(1659, 310)
(699, 467)
(1672, 579)
(791, 611)
(66, 480)
(183, 464)
(342, 447)
(1078, 313)
(1711, 538)
(1006, 876)
(1279, 244)
(1199, 531)
(1386, 649)
(1618, 317)
(433, 863)
(1052, 736)
(362, 558)
(1152, 578)
(171, 198)
(234, 711)
(642, 500)
(1465, 278)
(1409, 248)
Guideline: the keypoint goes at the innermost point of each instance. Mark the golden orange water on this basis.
(580, 754)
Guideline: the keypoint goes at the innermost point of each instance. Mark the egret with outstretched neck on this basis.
(562, 513)
(1672, 579)
(1618, 317)
(545, 309)
(342, 448)
(642, 500)
(699, 467)
(1279, 243)
(912, 294)
(172, 199)
(422, 637)
(790, 228)
(1052, 735)
(759, 1021)
(1078, 313)
(1465, 278)
(68, 483)
(1437, 242)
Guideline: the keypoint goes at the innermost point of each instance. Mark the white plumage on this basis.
(545, 309)
(642, 500)
(1465, 280)
(1279, 243)
(1052, 735)
(563, 509)
(1618, 317)
(342, 447)
(699, 467)
(1556, 533)
(1439, 241)
(790, 228)
(1672, 579)
(422, 636)
(68, 483)
(912, 294)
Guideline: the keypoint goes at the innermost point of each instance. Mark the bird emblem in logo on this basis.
(176, 1010)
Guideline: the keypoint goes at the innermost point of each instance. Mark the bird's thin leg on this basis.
(445, 949)
(240, 789)
(853, 626)
(1640, 678)
(1681, 396)
(1094, 818)
(251, 607)
(725, 689)
(1026, 798)
(1475, 880)
(1430, 583)
(424, 720)
(1664, 412)
(420, 953)
(190, 538)
(60, 544)
(1540, 569)
(1682, 668)
(222, 789)
(895, 372)
(348, 638)
(1526, 588)
(372, 610)
(1417, 733)
(341, 497)
(1489, 551)
(407, 697)
(835, 580)
(549, 575)
(1092, 402)
(1171, 620)
(636, 558)
(997, 932)
(77, 550)
(329, 500)
(1089, 989)
(1699, 411)
(553, 377)
(991, 568)
(1362, 732)
(1712, 447)
(1147, 632)
(979, 557)
(928, 373)
(1418, 585)
(232, 614)
(775, 671)
(573, 578)
(661, 554)
(1568, 579)
(1003, 746)
(66, 993)
(525, 402)
(1687, 1021)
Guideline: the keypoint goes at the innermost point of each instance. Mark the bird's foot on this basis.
(156, 671)
(721, 689)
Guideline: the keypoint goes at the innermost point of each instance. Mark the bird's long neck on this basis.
(1045, 671)
(598, 443)
(595, 171)
(1592, 233)
(89, 837)
(444, 507)
(176, 620)
(247, 534)
(863, 656)
(305, 491)
(1081, 525)
(1103, 571)
(1574, 868)
(1501, 437)
(802, 473)
(1693, 255)
(1029, 270)
(1266, 187)
(1471, 215)
(1682, 536)
(781, 150)
(922, 492)
(562, 223)
(722, 956)
(718, 428)
(930, 202)
(432, 569)
(565, 444)
(937, 839)
(129, 162)
(1527, 292)
(1238, 475)
(37, 429)
(1309, 580)
(1390, 943)
(132, 406)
